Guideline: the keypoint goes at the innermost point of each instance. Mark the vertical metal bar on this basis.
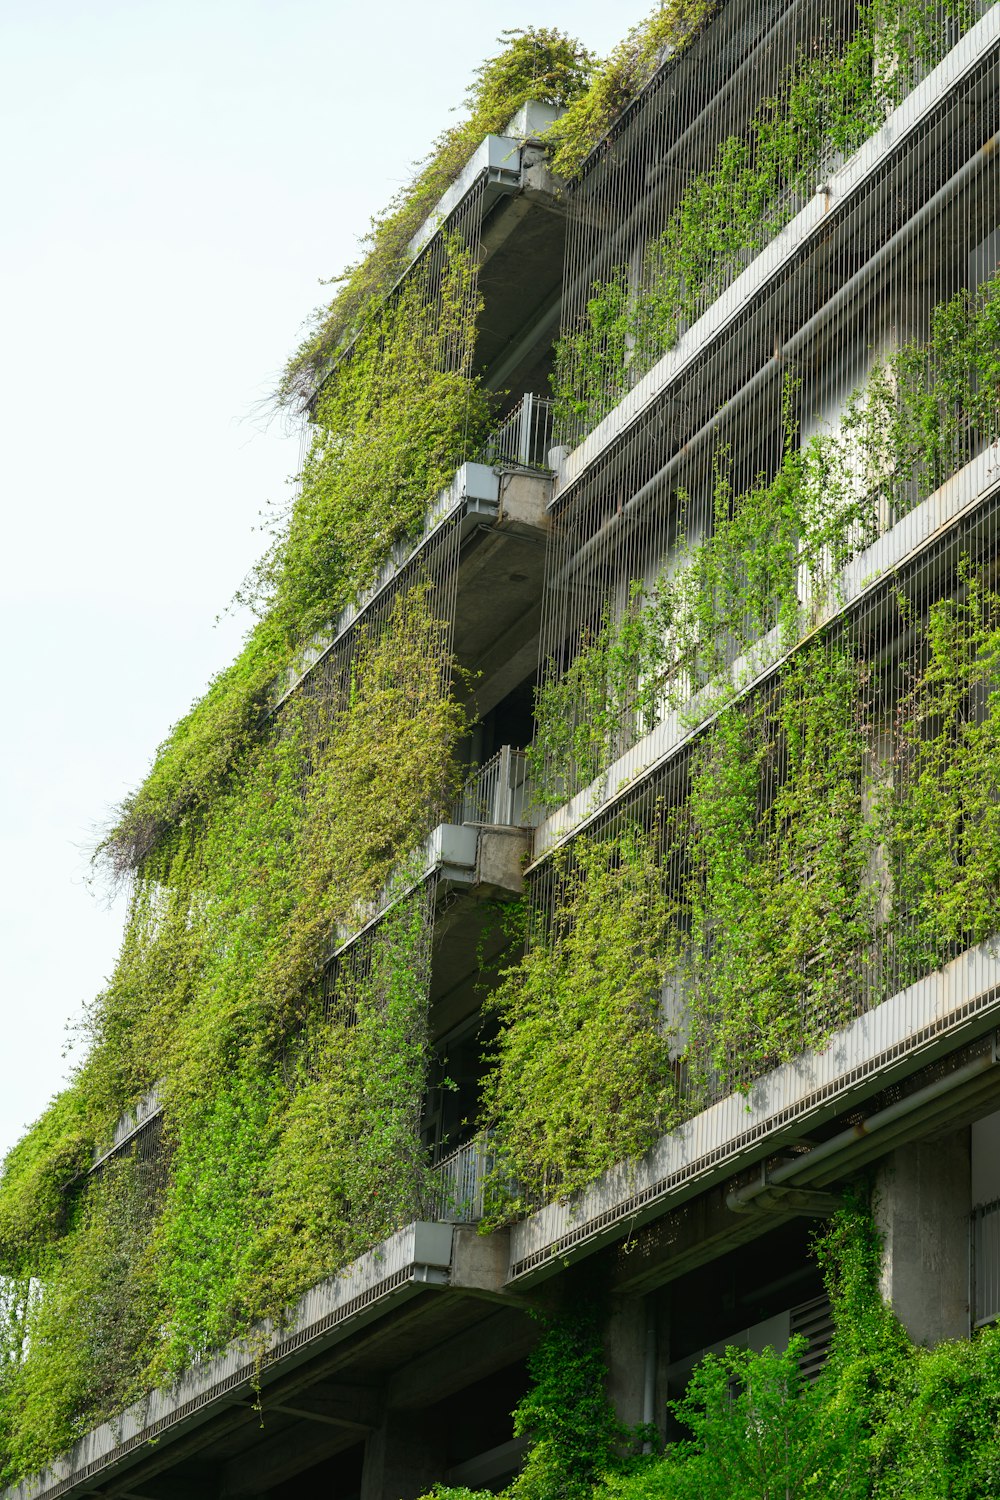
(524, 431)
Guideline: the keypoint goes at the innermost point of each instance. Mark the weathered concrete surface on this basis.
(922, 1200)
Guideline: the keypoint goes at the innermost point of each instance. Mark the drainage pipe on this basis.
(741, 1198)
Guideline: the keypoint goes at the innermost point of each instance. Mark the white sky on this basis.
(177, 176)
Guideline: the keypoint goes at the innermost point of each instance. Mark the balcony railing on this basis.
(499, 793)
(521, 441)
(460, 1181)
(523, 438)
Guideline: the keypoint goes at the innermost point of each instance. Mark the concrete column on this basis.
(404, 1457)
(624, 1350)
(636, 1347)
(922, 1204)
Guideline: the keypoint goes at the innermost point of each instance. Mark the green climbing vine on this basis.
(574, 1434)
(781, 901)
(392, 426)
(944, 810)
(290, 1083)
(834, 96)
(80, 1326)
(319, 1151)
(825, 845)
(289, 1070)
(582, 1034)
(672, 962)
(290, 1111)
(620, 78)
(775, 550)
(536, 64)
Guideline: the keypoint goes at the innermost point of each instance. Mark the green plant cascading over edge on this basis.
(255, 838)
(619, 80)
(538, 64)
(268, 1082)
(671, 963)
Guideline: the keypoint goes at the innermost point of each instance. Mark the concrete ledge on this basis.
(498, 158)
(415, 1257)
(929, 1017)
(922, 527)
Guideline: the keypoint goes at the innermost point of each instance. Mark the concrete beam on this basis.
(486, 1468)
(404, 1458)
(288, 1454)
(166, 1488)
(688, 1237)
(508, 662)
(234, 1414)
(463, 1359)
(355, 1407)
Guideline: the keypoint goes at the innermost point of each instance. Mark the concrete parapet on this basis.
(501, 858)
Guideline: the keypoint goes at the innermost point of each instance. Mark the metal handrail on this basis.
(499, 792)
(523, 438)
(458, 1192)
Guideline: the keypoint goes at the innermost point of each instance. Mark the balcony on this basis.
(465, 865)
(498, 167)
(461, 1180)
(505, 206)
(919, 166)
(481, 845)
(919, 544)
(877, 1067)
(482, 548)
(298, 1390)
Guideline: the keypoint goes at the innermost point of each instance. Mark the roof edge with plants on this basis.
(539, 64)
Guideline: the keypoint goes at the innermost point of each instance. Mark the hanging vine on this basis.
(619, 80)
(775, 551)
(536, 64)
(582, 1034)
(781, 900)
(943, 813)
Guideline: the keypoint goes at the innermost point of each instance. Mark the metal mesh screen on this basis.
(807, 462)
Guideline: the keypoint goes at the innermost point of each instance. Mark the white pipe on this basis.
(846, 1139)
(649, 1372)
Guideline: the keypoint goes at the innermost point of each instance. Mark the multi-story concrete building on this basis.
(724, 611)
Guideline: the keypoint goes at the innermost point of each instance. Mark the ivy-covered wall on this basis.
(820, 845)
(291, 1085)
(837, 90)
(773, 553)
